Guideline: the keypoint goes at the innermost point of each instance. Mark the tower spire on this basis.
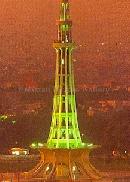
(64, 23)
(64, 14)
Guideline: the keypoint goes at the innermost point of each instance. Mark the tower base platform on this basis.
(66, 165)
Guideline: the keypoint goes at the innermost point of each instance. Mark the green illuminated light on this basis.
(40, 144)
(65, 27)
(37, 145)
(13, 122)
(3, 117)
(33, 145)
(90, 145)
(83, 144)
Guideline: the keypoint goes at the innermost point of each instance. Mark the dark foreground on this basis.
(9, 164)
(112, 170)
(108, 177)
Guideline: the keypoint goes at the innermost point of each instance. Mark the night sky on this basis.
(101, 30)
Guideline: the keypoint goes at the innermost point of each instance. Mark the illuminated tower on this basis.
(64, 131)
(65, 157)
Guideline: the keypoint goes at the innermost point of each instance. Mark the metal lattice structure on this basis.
(65, 157)
(64, 131)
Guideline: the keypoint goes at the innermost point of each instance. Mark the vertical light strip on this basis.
(66, 95)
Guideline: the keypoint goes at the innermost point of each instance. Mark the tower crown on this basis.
(64, 14)
(64, 23)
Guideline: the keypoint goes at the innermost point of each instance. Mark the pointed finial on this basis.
(64, 15)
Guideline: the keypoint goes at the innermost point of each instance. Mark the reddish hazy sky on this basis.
(102, 27)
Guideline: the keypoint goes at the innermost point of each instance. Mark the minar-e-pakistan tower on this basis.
(65, 157)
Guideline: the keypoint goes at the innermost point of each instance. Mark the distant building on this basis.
(90, 112)
(19, 151)
(128, 89)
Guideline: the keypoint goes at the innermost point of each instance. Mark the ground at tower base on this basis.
(108, 177)
(116, 170)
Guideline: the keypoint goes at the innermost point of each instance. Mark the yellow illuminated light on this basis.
(47, 168)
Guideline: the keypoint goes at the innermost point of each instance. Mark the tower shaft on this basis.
(64, 131)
